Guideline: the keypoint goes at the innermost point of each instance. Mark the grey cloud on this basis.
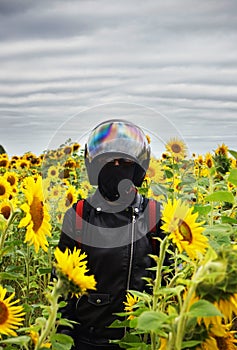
(13, 7)
(61, 56)
(57, 19)
(60, 19)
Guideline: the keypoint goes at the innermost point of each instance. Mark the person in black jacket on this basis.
(115, 232)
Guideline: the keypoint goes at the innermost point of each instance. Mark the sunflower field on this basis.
(195, 308)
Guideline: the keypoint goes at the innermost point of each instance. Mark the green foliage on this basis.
(169, 313)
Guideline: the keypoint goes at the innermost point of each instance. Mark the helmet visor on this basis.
(118, 137)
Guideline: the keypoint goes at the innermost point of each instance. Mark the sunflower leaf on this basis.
(11, 276)
(203, 308)
(168, 174)
(132, 341)
(228, 220)
(202, 209)
(151, 321)
(220, 196)
(142, 296)
(119, 324)
(233, 177)
(219, 234)
(61, 342)
(158, 189)
(190, 344)
(233, 153)
(21, 340)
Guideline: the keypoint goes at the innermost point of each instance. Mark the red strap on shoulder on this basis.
(79, 213)
(152, 215)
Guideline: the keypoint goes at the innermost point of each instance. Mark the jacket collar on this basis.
(98, 202)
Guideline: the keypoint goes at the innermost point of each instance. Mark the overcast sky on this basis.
(171, 66)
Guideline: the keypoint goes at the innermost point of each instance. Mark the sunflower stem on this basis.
(4, 233)
(27, 266)
(211, 188)
(27, 261)
(158, 279)
(53, 309)
(182, 319)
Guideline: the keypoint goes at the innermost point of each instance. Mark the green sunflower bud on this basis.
(219, 281)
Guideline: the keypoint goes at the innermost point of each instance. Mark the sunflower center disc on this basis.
(3, 313)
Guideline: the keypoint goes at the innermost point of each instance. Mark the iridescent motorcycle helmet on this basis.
(117, 139)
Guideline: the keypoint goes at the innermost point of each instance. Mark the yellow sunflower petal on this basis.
(183, 229)
(10, 314)
(73, 266)
(37, 218)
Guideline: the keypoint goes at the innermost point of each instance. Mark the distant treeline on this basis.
(2, 150)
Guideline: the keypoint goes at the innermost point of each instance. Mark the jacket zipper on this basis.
(131, 256)
(131, 250)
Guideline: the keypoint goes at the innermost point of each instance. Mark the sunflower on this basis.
(184, 231)
(176, 184)
(70, 163)
(35, 338)
(82, 193)
(199, 160)
(86, 186)
(209, 160)
(163, 344)
(3, 155)
(228, 307)
(11, 177)
(5, 189)
(55, 192)
(155, 172)
(176, 148)
(209, 344)
(6, 208)
(37, 219)
(22, 164)
(148, 139)
(4, 162)
(219, 287)
(53, 172)
(32, 158)
(65, 173)
(212, 324)
(228, 342)
(10, 314)
(47, 185)
(67, 150)
(69, 198)
(129, 304)
(222, 150)
(234, 163)
(72, 268)
(225, 342)
(75, 147)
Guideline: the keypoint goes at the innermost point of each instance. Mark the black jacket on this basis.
(117, 242)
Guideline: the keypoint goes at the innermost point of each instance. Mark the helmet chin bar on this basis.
(94, 168)
(126, 193)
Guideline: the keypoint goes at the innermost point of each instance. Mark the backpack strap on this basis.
(153, 207)
(79, 217)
